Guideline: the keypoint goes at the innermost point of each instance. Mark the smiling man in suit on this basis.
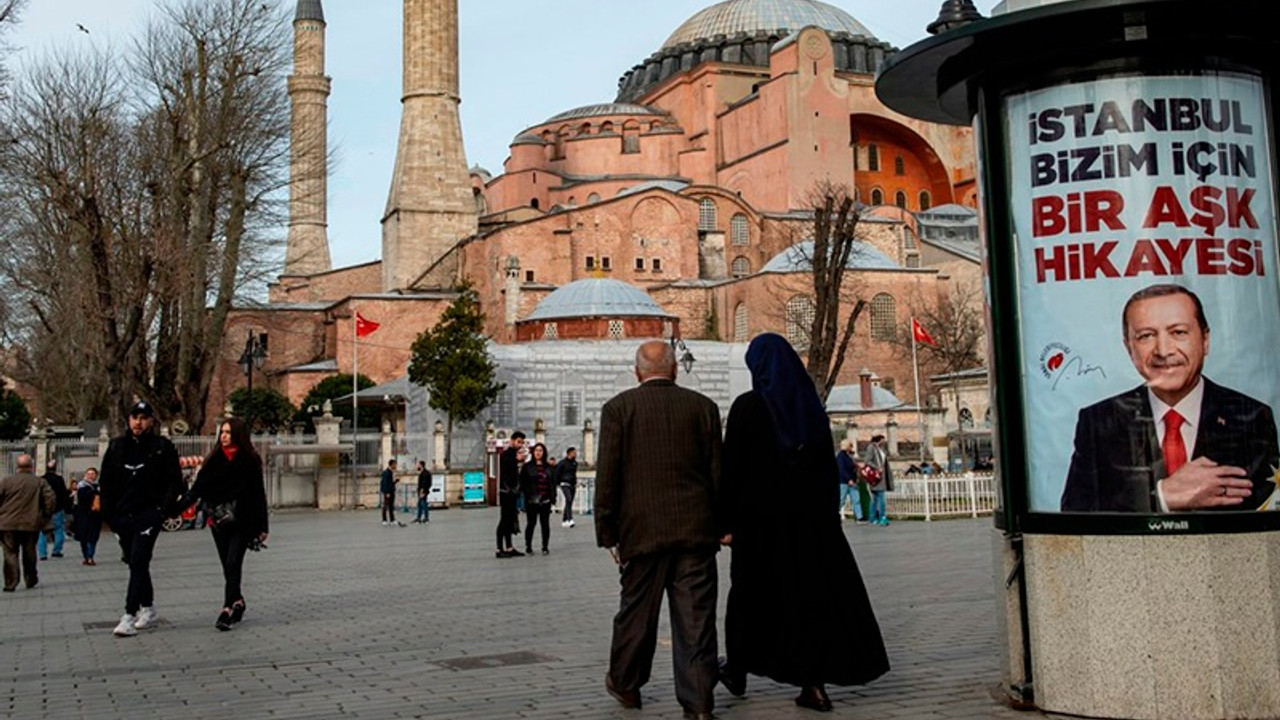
(1180, 441)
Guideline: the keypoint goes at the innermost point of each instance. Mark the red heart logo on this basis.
(1055, 362)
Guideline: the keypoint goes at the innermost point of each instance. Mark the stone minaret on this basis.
(431, 205)
(308, 247)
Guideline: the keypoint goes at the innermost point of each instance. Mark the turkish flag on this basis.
(364, 326)
(919, 334)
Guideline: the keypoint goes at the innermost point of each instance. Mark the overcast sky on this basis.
(522, 62)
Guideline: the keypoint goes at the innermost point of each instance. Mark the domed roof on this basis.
(797, 258)
(597, 297)
(587, 111)
(733, 16)
(309, 10)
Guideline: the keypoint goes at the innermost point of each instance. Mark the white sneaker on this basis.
(572, 523)
(385, 523)
(126, 628)
(564, 523)
(146, 618)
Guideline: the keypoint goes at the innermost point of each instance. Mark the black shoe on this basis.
(57, 554)
(735, 683)
(814, 697)
(698, 715)
(512, 552)
(625, 698)
(528, 550)
(224, 621)
(546, 551)
(237, 611)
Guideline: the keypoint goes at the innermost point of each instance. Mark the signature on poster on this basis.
(1057, 361)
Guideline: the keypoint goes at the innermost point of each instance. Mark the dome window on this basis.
(707, 220)
(617, 330)
(593, 198)
(550, 331)
(925, 201)
(877, 196)
(900, 199)
(741, 267)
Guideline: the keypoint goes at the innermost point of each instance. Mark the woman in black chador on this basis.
(798, 611)
(230, 484)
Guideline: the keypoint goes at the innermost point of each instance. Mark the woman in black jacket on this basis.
(539, 488)
(88, 516)
(230, 484)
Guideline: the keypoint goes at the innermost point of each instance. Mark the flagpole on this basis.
(355, 387)
(915, 366)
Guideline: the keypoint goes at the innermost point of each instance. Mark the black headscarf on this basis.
(778, 375)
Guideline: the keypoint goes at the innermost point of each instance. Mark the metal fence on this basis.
(940, 496)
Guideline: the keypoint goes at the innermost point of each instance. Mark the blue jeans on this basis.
(424, 510)
(877, 507)
(59, 536)
(850, 493)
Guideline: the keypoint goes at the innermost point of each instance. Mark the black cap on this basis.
(142, 408)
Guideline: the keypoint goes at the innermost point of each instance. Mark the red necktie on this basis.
(1175, 451)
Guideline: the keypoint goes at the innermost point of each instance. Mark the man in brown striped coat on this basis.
(656, 512)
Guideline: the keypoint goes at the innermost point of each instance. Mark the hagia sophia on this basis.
(677, 209)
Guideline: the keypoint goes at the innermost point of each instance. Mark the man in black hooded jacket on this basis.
(140, 483)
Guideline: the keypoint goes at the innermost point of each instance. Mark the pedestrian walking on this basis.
(539, 494)
(508, 493)
(25, 502)
(88, 516)
(798, 611)
(55, 530)
(140, 484)
(655, 511)
(424, 490)
(848, 479)
(230, 485)
(387, 491)
(879, 478)
(567, 479)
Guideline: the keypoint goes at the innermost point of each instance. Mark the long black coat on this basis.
(798, 611)
(240, 480)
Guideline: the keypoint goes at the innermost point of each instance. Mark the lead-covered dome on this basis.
(749, 16)
(597, 297)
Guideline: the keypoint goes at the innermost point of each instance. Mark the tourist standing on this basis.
(567, 479)
(508, 492)
(655, 511)
(141, 482)
(848, 478)
(55, 530)
(879, 478)
(25, 502)
(88, 516)
(539, 494)
(230, 485)
(387, 491)
(424, 490)
(798, 611)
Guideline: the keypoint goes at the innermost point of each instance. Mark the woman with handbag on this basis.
(875, 470)
(539, 490)
(230, 484)
(88, 516)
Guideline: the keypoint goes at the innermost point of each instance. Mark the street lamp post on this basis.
(683, 355)
(255, 353)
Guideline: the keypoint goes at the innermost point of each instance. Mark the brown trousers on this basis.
(19, 542)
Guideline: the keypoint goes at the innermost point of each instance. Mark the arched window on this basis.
(899, 167)
(584, 129)
(741, 267)
(739, 230)
(900, 199)
(558, 153)
(966, 417)
(707, 215)
(877, 196)
(593, 198)
(926, 202)
(606, 128)
(573, 202)
(873, 158)
(740, 323)
(630, 137)
(799, 321)
(534, 203)
(883, 317)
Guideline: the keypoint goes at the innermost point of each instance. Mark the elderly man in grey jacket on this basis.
(26, 502)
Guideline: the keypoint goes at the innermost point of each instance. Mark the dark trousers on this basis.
(689, 581)
(19, 543)
(138, 535)
(231, 544)
(569, 491)
(424, 508)
(388, 507)
(533, 512)
(507, 520)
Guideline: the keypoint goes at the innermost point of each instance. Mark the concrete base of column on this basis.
(1156, 628)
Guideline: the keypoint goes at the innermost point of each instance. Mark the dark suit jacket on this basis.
(658, 470)
(1118, 461)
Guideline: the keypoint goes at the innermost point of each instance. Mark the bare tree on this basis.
(145, 196)
(9, 12)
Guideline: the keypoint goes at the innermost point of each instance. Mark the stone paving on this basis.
(350, 619)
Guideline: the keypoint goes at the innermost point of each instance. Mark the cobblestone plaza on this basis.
(350, 619)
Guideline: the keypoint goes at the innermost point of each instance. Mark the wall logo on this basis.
(1053, 357)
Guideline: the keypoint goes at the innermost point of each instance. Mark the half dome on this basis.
(597, 297)
(750, 16)
(798, 258)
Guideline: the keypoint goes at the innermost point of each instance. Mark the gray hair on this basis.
(656, 359)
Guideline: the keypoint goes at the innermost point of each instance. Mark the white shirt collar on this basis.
(1188, 407)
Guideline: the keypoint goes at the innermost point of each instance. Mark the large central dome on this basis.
(748, 16)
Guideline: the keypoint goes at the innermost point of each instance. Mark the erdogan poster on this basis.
(1147, 266)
